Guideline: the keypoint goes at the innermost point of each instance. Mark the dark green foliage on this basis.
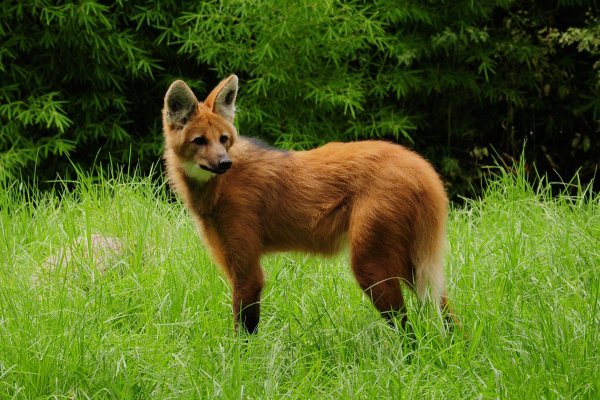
(83, 82)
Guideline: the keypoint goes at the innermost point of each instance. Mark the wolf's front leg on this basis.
(246, 299)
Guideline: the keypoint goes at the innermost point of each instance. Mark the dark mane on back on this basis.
(263, 145)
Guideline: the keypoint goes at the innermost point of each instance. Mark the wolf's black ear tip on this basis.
(179, 93)
(177, 86)
(233, 80)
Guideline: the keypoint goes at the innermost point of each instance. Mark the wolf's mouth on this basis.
(214, 171)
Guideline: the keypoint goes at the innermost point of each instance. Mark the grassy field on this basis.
(155, 321)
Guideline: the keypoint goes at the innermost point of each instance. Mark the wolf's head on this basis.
(200, 134)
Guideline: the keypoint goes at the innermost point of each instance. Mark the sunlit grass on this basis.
(523, 273)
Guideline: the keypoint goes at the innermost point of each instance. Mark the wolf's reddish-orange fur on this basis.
(382, 199)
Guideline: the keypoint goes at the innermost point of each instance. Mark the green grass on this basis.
(523, 271)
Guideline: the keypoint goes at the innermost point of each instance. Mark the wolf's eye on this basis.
(224, 139)
(200, 141)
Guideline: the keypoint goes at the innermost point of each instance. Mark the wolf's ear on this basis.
(180, 104)
(222, 99)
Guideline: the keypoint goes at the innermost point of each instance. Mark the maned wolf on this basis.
(248, 199)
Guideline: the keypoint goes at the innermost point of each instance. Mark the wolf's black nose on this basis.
(225, 165)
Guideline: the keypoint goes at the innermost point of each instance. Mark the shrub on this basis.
(83, 82)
